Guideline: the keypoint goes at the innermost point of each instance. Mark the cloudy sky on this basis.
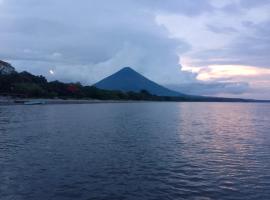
(206, 47)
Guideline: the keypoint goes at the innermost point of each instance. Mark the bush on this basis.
(29, 89)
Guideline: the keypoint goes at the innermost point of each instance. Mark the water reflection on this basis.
(224, 141)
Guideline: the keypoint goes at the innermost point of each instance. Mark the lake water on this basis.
(139, 151)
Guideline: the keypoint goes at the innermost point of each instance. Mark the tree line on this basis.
(28, 85)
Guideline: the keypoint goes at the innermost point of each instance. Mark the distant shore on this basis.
(60, 101)
(33, 101)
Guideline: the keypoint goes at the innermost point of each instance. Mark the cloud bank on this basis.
(90, 39)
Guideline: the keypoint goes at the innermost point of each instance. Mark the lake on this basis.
(138, 151)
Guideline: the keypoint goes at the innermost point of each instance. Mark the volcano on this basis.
(128, 80)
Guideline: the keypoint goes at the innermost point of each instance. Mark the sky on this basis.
(203, 47)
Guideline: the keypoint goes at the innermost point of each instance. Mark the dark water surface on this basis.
(135, 151)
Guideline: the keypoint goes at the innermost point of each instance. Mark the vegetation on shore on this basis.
(26, 85)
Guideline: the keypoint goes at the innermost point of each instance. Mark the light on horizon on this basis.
(228, 71)
(214, 72)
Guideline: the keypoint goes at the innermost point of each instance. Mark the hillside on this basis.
(6, 68)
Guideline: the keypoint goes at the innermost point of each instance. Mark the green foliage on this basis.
(28, 85)
(29, 89)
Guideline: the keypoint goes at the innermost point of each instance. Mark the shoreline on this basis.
(61, 101)
(33, 101)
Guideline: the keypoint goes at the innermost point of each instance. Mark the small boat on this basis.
(34, 102)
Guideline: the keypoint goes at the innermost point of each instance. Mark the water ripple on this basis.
(197, 151)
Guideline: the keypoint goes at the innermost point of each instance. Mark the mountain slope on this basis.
(6, 68)
(128, 79)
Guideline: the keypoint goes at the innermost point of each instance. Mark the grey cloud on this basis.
(185, 7)
(247, 49)
(212, 88)
(221, 29)
(253, 3)
(239, 7)
(104, 35)
(33, 26)
(233, 9)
